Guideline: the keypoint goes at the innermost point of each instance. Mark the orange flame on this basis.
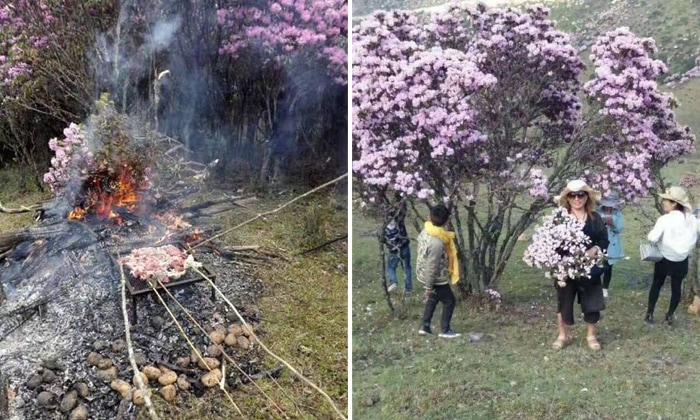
(107, 192)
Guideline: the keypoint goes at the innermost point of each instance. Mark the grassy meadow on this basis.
(642, 372)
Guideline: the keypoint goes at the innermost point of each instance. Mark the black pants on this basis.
(677, 270)
(590, 295)
(443, 293)
(607, 274)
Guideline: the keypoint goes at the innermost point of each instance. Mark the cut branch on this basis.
(325, 244)
(320, 187)
(22, 209)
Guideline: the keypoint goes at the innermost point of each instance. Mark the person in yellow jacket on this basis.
(436, 267)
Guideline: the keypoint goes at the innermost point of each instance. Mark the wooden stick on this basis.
(320, 187)
(130, 348)
(22, 209)
(210, 203)
(242, 248)
(268, 351)
(382, 255)
(332, 241)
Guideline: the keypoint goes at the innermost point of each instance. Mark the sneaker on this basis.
(449, 334)
(649, 319)
(391, 287)
(425, 331)
(669, 319)
(408, 294)
(605, 293)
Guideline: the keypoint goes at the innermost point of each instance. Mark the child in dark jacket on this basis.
(436, 268)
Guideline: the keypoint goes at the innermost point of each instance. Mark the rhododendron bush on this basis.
(45, 79)
(108, 146)
(316, 29)
(488, 111)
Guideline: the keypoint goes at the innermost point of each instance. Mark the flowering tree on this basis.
(45, 80)
(483, 109)
(304, 44)
(316, 29)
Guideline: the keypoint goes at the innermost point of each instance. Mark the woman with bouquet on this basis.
(579, 200)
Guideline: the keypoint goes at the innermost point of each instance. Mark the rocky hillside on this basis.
(674, 24)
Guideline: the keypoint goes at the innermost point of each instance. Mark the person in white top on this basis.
(675, 233)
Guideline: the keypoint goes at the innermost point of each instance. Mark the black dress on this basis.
(588, 290)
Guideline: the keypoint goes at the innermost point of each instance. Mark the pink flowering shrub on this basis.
(30, 27)
(72, 158)
(428, 97)
(108, 149)
(641, 123)
(558, 246)
(46, 78)
(483, 109)
(314, 28)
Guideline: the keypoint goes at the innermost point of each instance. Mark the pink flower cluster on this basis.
(536, 53)
(25, 26)
(410, 104)
(644, 134)
(538, 184)
(559, 246)
(286, 27)
(72, 158)
(431, 100)
(493, 295)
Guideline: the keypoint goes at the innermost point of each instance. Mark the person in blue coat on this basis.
(609, 209)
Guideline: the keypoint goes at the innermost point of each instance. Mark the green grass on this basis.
(642, 372)
(13, 196)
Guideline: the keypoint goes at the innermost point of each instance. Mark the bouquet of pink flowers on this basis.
(559, 246)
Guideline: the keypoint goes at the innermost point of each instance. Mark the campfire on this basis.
(61, 325)
(109, 195)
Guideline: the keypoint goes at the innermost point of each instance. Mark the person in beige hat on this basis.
(580, 201)
(675, 233)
